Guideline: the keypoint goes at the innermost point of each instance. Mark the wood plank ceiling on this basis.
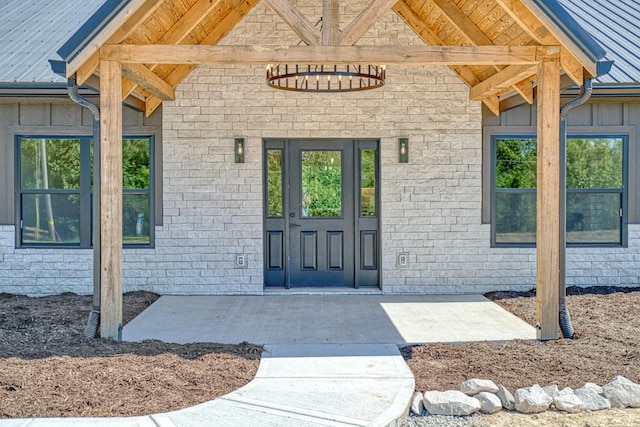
(436, 22)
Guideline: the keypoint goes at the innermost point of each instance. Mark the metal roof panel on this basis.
(615, 24)
(30, 33)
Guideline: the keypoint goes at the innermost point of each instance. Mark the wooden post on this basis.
(548, 247)
(330, 22)
(110, 199)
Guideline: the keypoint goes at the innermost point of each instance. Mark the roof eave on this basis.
(584, 44)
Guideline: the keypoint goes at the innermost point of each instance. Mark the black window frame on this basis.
(85, 192)
(624, 191)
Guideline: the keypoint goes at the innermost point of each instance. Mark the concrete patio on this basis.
(327, 319)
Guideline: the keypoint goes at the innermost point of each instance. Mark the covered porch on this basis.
(526, 60)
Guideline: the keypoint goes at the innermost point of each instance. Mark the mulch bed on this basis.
(48, 368)
(607, 325)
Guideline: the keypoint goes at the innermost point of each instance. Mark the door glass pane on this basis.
(51, 218)
(321, 190)
(368, 183)
(49, 163)
(274, 183)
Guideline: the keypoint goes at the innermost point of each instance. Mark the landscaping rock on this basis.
(531, 400)
(506, 398)
(567, 401)
(591, 399)
(595, 387)
(474, 386)
(489, 402)
(417, 407)
(622, 393)
(552, 390)
(450, 402)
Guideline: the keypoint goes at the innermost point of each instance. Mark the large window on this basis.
(54, 180)
(595, 176)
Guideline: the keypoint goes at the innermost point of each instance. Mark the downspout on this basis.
(565, 318)
(91, 330)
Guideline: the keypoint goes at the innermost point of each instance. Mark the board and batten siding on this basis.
(41, 271)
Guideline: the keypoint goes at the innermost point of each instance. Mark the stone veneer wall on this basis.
(431, 207)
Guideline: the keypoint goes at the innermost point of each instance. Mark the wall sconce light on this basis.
(239, 150)
(403, 150)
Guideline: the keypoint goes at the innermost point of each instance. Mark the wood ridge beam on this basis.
(296, 20)
(363, 22)
(502, 80)
(389, 55)
(148, 80)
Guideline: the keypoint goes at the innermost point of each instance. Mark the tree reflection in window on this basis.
(322, 180)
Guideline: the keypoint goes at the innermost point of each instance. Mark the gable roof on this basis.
(616, 26)
(30, 33)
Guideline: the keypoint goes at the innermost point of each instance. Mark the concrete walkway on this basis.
(330, 360)
(299, 385)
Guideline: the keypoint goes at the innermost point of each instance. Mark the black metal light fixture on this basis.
(326, 78)
(403, 150)
(239, 150)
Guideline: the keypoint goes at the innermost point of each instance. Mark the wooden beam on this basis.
(148, 80)
(218, 33)
(548, 230)
(427, 35)
(330, 22)
(119, 27)
(177, 33)
(502, 80)
(299, 23)
(389, 55)
(474, 35)
(493, 104)
(363, 22)
(462, 22)
(525, 89)
(540, 33)
(110, 199)
(565, 41)
(190, 20)
(88, 69)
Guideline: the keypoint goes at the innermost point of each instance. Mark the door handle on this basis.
(291, 224)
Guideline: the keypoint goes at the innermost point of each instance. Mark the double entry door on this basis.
(321, 213)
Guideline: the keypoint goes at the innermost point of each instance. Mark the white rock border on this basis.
(625, 394)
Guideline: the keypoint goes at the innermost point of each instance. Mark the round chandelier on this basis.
(325, 78)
